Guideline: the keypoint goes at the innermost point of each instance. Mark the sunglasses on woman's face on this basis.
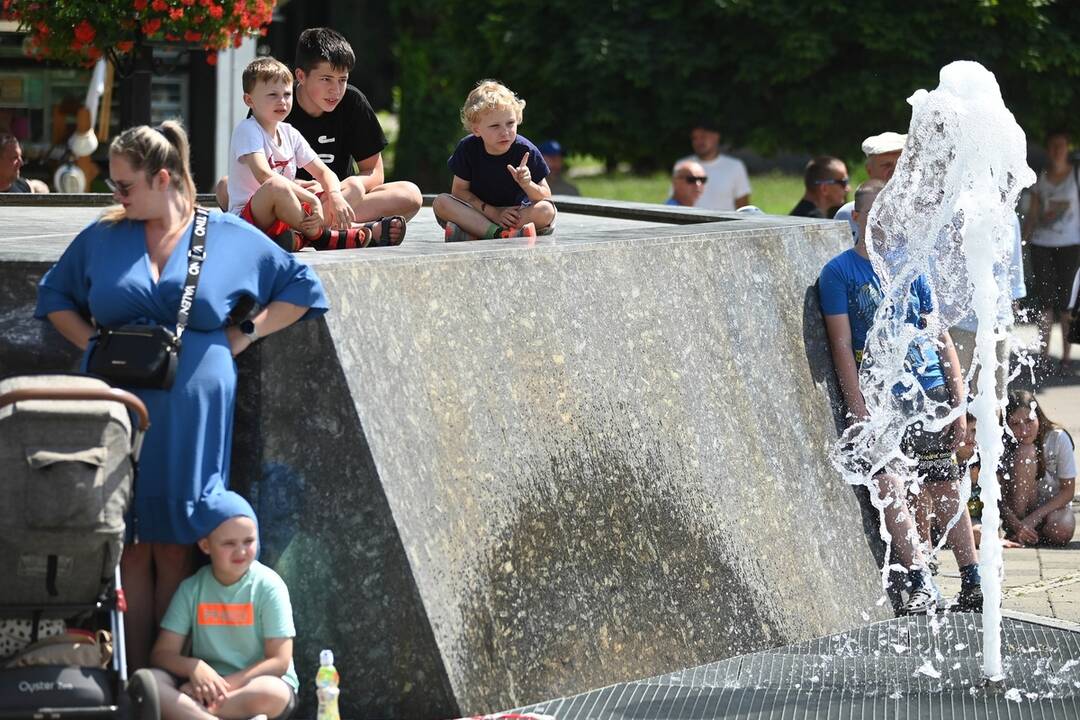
(122, 189)
(695, 180)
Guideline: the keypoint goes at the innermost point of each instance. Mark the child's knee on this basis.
(440, 204)
(544, 213)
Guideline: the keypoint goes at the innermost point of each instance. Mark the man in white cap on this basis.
(882, 153)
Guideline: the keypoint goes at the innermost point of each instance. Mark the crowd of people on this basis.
(306, 171)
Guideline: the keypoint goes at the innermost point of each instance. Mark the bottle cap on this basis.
(326, 657)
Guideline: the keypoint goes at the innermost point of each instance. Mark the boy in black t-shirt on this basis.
(341, 127)
(499, 187)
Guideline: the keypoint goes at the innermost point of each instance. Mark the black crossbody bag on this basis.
(146, 356)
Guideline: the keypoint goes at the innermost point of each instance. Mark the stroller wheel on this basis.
(144, 696)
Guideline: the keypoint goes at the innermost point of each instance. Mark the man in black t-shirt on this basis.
(341, 127)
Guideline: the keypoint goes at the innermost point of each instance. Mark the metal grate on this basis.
(904, 668)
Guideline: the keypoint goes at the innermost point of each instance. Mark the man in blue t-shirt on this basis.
(850, 293)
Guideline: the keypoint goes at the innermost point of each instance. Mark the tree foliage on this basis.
(624, 79)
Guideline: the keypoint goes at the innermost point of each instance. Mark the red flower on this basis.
(140, 5)
(159, 5)
(192, 35)
(151, 26)
(216, 11)
(211, 58)
(84, 32)
(171, 37)
(176, 13)
(205, 3)
(125, 46)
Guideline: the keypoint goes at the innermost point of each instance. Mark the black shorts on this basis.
(1053, 270)
(932, 451)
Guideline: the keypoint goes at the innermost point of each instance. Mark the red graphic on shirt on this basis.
(226, 614)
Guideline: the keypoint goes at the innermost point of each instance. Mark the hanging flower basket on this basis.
(78, 32)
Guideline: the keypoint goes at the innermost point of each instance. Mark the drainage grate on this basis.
(903, 668)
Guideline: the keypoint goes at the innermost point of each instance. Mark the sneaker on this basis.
(456, 234)
(923, 601)
(526, 230)
(967, 601)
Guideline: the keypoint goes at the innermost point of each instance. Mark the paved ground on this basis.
(1041, 581)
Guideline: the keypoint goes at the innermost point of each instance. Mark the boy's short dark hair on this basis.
(264, 69)
(322, 44)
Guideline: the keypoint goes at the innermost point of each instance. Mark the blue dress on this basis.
(105, 273)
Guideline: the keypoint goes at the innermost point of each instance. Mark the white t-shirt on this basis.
(727, 181)
(844, 213)
(284, 155)
(1065, 229)
(1059, 459)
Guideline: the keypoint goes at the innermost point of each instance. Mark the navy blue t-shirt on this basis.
(487, 175)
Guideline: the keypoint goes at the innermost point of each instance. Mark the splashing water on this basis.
(946, 214)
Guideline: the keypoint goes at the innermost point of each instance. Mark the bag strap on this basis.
(196, 256)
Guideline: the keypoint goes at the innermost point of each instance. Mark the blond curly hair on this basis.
(489, 95)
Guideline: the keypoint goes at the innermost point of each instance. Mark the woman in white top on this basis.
(1039, 475)
(1052, 226)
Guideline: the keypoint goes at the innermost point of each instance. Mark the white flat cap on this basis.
(883, 143)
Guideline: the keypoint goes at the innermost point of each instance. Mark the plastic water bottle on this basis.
(326, 680)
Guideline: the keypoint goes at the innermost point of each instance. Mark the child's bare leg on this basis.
(175, 705)
(898, 521)
(276, 199)
(394, 198)
(541, 214)
(1058, 527)
(922, 506)
(1019, 491)
(946, 501)
(263, 695)
(448, 208)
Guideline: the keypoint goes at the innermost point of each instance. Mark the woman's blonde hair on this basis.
(152, 149)
(489, 95)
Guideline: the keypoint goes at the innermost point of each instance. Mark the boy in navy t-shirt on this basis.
(850, 293)
(499, 187)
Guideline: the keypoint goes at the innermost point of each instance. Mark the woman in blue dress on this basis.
(129, 268)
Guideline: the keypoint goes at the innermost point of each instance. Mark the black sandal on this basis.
(384, 231)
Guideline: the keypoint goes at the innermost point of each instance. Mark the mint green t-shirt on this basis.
(228, 624)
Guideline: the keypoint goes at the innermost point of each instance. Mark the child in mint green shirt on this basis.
(237, 613)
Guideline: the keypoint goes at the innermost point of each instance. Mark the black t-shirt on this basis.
(805, 208)
(350, 131)
(18, 185)
(488, 177)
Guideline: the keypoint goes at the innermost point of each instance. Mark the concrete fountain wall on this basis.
(495, 474)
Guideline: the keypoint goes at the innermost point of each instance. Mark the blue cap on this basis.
(551, 147)
(216, 508)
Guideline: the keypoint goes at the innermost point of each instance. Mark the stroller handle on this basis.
(111, 394)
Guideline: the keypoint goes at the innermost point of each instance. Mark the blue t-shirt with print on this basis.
(487, 175)
(849, 286)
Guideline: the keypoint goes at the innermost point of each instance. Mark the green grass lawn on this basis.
(775, 193)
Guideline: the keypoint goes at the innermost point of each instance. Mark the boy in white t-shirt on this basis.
(265, 152)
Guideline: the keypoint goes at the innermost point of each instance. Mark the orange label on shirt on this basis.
(226, 614)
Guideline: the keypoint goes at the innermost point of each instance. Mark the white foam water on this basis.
(946, 214)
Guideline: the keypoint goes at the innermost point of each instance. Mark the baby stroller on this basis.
(67, 464)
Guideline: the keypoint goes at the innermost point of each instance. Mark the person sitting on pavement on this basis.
(882, 153)
(688, 180)
(1038, 476)
(729, 184)
(500, 187)
(237, 615)
(555, 158)
(850, 293)
(826, 184)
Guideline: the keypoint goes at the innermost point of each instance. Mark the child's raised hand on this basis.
(521, 173)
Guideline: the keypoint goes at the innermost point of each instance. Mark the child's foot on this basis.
(526, 230)
(456, 234)
(354, 237)
(386, 231)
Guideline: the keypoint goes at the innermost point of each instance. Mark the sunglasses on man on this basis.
(843, 182)
(695, 180)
